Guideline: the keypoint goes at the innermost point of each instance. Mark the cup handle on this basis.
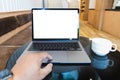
(115, 47)
(111, 62)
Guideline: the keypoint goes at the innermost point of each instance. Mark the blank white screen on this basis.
(54, 24)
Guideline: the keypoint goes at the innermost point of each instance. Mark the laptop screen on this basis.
(55, 23)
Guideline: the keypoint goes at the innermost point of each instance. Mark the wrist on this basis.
(6, 74)
(11, 78)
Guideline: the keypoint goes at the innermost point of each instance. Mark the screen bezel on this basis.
(54, 38)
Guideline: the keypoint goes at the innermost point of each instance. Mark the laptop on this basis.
(56, 31)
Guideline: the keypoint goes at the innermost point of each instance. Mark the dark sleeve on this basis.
(4, 73)
(12, 60)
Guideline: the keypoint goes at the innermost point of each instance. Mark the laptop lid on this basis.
(55, 23)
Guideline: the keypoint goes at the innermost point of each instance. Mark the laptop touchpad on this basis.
(58, 56)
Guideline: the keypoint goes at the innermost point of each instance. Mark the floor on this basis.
(8, 47)
(89, 31)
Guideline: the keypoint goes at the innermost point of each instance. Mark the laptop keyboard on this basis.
(57, 46)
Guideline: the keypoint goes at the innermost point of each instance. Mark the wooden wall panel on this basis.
(111, 23)
(91, 17)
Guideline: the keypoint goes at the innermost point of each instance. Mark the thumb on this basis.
(47, 69)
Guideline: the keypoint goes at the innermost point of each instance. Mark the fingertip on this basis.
(48, 67)
(47, 55)
(50, 57)
(50, 64)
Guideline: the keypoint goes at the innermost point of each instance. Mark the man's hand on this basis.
(29, 67)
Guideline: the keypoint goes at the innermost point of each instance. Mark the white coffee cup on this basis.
(102, 46)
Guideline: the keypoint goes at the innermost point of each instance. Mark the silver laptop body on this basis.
(57, 25)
